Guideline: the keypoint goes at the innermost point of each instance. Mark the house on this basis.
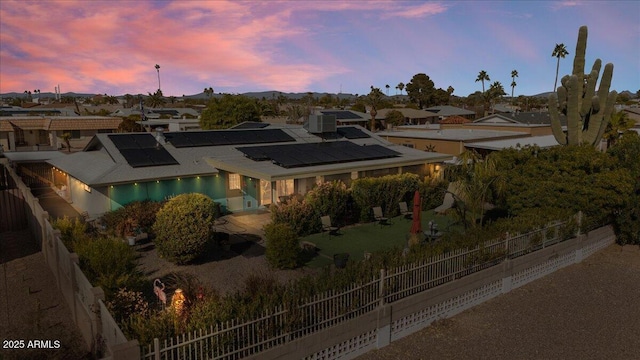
(412, 116)
(486, 147)
(45, 132)
(444, 111)
(242, 169)
(447, 141)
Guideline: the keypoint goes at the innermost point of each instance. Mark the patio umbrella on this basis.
(416, 225)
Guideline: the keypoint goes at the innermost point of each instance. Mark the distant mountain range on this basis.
(262, 94)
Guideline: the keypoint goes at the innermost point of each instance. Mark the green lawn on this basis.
(370, 237)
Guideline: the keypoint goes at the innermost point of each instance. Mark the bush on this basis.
(299, 215)
(142, 213)
(330, 198)
(184, 227)
(283, 246)
(386, 192)
(109, 263)
(72, 231)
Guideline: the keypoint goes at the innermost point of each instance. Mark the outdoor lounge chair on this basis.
(404, 210)
(377, 214)
(326, 226)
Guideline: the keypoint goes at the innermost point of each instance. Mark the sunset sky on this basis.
(299, 46)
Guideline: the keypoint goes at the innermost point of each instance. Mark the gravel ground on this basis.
(31, 306)
(585, 311)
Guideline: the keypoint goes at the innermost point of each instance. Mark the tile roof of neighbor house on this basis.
(544, 141)
(447, 110)
(453, 134)
(455, 119)
(101, 163)
(52, 123)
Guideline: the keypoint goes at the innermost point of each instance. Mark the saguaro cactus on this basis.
(587, 113)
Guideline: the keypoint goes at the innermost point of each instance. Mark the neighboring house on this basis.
(36, 111)
(446, 141)
(45, 133)
(486, 147)
(171, 124)
(412, 116)
(444, 111)
(159, 113)
(348, 117)
(633, 113)
(242, 169)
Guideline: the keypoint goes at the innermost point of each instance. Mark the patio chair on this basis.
(326, 226)
(404, 210)
(377, 214)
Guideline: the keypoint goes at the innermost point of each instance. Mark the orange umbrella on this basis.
(416, 225)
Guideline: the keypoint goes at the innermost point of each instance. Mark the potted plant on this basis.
(340, 260)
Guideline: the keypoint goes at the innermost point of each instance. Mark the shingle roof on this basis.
(446, 110)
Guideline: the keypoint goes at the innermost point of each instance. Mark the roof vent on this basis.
(160, 136)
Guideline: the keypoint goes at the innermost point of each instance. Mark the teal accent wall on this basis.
(251, 192)
(212, 186)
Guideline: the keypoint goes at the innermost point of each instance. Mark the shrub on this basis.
(72, 231)
(330, 198)
(386, 192)
(142, 213)
(126, 303)
(109, 263)
(283, 246)
(432, 192)
(183, 227)
(298, 214)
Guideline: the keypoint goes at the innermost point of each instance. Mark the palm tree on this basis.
(514, 75)
(158, 70)
(482, 76)
(387, 86)
(401, 87)
(374, 98)
(560, 51)
(66, 137)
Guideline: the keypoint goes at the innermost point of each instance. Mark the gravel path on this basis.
(585, 311)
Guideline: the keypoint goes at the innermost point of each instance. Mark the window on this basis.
(265, 192)
(284, 187)
(19, 136)
(408, 145)
(234, 182)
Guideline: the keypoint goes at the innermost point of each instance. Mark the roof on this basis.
(53, 123)
(528, 118)
(101, 163)
(545, 141)
(408, 113)
(447, 110)
(455, 119)
(346, 115)
(452, 134)
(33, 155)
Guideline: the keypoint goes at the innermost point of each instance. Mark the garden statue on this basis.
(586, 111)
(178, 302)
(158, 289)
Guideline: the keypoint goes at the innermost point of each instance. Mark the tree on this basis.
(482, 76)
(401, 87)
(158, 70)
(229, 110)
(208, 92)
(395, 118)
(156, 99)
(130, 124)
(496, 91)
(514, 75)
(560, 51)
(421, 90)
(373, 99)
(619, 123)
(450, 91)
(387, 86)
(66, 137)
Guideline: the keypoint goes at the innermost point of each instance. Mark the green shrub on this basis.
(72, 231)
(386, 192)
(330, 198)
(298, 214)
(142, 213)
(109, 263)
(283, 246)
(184, 227)
(432, 192)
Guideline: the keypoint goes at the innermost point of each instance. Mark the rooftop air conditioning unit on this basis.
(322, 124)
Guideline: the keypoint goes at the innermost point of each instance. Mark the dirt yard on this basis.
(585, 311)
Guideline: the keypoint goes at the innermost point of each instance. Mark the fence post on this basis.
(44, 221)
(98, 294)
(506, 245)
(579, 223)
(381, 286)
(156, 348)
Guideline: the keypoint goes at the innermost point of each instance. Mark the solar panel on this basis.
(342, 114)
(251, 125)
(227, 137)
(351, 132)
(140, 150)
(301, 155)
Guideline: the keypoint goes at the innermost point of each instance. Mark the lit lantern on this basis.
(178, 302)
